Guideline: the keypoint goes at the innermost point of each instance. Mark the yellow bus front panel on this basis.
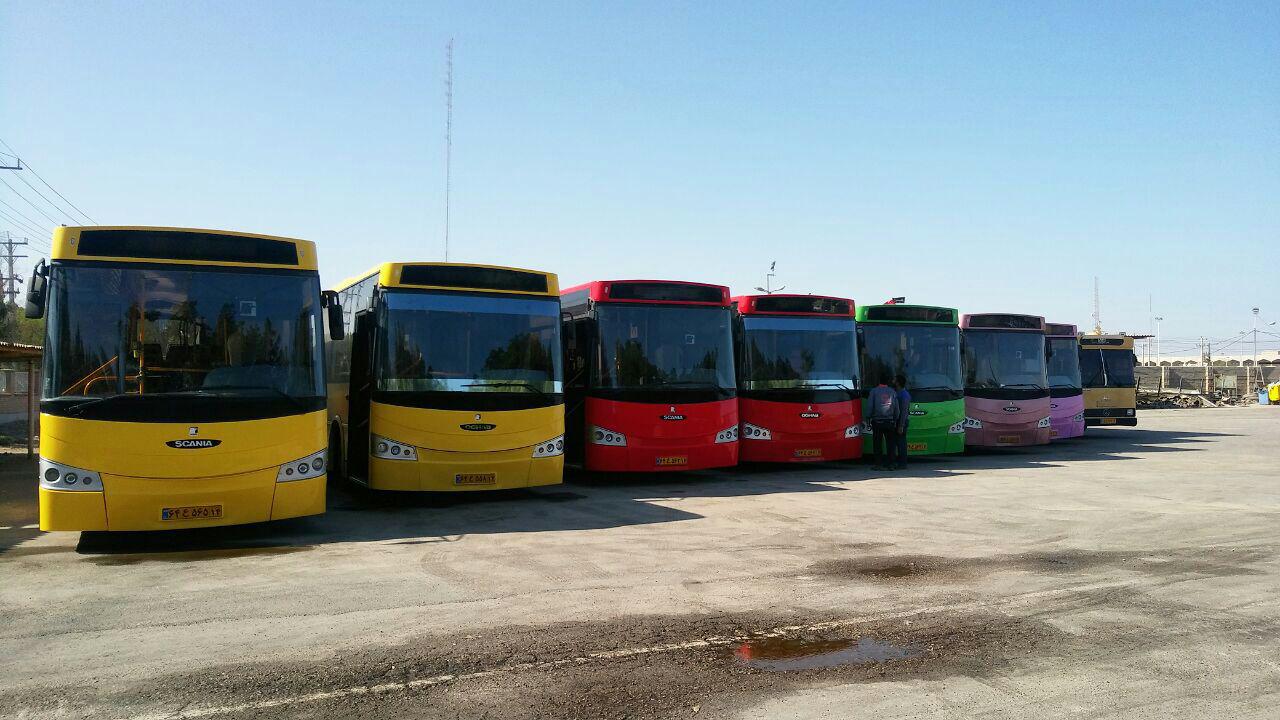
(1110, 406)
(465, 450)
(157, 476)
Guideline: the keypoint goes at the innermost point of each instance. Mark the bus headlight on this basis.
(604, 436)
(853, 431)
(1078, 417)
(958, 428)
(305, 468)
(1044, 422)
(1129, 411)
(56, 476)
(727, 435)
(972, 423)
(550, 448)
(389, 449)
(754, 432)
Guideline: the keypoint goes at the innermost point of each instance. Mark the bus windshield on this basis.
(438, 342)
(1064, 363)
(1107, 368)
(175, 344)
(666, 346)
(799, 353)
(1003, 360)
(928, 355)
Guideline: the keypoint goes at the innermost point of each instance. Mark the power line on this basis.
(24, 197)
(19, 223)
(52, 188)
(42, 197)
(18, 212)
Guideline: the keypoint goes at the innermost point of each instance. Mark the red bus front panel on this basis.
(799, 432)
(657, 437)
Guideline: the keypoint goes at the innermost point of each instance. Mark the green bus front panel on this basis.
(929, 430)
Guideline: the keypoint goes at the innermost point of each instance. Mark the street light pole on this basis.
(1158, 341)
(1255, 343)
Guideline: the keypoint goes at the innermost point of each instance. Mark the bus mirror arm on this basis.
(571, 337)
(329, 299)
(38, 290)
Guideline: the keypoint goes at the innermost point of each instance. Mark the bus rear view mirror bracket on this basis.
(329, 299)
(38, 290)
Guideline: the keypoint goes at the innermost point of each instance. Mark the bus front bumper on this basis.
(932, 441)
(132, 503)
(1094, 417)
(998, 435)
(800, 447)
(443, 471)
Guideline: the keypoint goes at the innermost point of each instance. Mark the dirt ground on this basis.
(1131, 573)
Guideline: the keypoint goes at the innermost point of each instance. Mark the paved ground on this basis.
(1129, 574)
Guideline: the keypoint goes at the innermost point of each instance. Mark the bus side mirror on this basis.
(329, 299)
(38, 290)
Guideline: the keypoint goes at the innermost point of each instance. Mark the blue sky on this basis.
(989, 156)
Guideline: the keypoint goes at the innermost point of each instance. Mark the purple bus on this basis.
(1066, 393)
(1006, 388)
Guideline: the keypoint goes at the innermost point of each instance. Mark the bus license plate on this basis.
(672, 460)
(917, 447)
(1108, 421)
(475, 479)
(809, 452)
(192, 512)
(1009, 439)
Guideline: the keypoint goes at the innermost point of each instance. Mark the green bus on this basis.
(922, 343)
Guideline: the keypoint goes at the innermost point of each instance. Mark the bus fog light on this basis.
(605, 436)
(755, 432)
(550, 448)
(56, 476)
(972, 423)
(303, 468)
(389, 449)
(1129, 411)
(1078, 417)
(1044, 422)
(956, 429)
(853, 431)
(727, 435)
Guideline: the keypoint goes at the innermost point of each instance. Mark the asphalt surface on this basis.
(1131, 573)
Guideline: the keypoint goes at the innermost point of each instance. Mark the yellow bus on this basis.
(448, 378)
(1110, 385)
(183, 379)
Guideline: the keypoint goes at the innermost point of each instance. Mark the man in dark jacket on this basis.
(904, 419)
(882, 405)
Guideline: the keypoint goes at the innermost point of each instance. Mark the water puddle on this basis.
(787, 654)
(892, 571)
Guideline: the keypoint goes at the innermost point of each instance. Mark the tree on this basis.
(16, 327)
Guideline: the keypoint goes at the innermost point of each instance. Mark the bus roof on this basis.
(460, 277)
(794, 304)
(662, 292)
(181, 246)
(1002, 321)
(1060, 330)
(1114, 342)
(895, 313)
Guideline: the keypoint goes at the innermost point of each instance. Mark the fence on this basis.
(1230, 380)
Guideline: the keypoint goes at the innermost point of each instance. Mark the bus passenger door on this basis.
(359, 397)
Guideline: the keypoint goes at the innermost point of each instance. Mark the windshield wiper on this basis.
(214, 392)
(935, 387)
(526, 386)
(690, 383)
(842, 386)
(1032, 386)
(78, 410)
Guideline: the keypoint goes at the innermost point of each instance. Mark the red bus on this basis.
(797, 367)
(649, 376)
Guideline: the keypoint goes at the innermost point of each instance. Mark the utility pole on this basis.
(1097, 308)
(11, 280)
(1255, 345)
(448, 140)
